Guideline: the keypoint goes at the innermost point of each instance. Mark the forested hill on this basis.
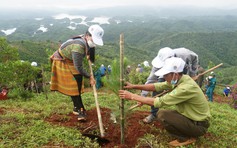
(216, 47)
(35, 51)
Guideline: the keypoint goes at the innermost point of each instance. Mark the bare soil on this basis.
(134, 127)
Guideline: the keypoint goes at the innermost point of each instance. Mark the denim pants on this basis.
(154, 110)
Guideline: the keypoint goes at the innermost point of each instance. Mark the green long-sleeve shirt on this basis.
(188, 98)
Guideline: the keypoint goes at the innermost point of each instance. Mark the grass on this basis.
(22, 123)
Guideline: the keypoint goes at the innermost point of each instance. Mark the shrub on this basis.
(233, 96)
(17, 75)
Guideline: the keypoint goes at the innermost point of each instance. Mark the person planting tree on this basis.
(190, 120)
(67, 66)
(191, 68)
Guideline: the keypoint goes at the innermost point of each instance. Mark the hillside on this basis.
(213, 38)
(41, 122)
(219, 47)
(139, 32)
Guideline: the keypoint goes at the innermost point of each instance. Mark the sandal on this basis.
(149, 119)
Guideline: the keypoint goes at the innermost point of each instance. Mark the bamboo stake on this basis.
(121, 86)
(209, 70)
(97, 103)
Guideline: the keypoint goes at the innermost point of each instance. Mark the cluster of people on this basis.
(172, 71)
(191, 64)
(140, 68)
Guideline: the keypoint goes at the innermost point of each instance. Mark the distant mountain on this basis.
(213, 38)
(59, 27)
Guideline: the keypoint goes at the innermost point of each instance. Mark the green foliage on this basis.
(20, 93)
(228, 75)
(112, 81)
(36, 51)
(233, 96)
(150, 140)
(8, 53)
(15, 74)
(139, 78)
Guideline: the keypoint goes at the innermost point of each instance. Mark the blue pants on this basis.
(154, 110)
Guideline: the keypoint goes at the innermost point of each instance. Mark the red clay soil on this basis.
(134, 127)
(221, 99)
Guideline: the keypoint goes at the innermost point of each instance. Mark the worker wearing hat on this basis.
(190, 119)
(226, 91)
(211, 86)
(67, 66)
(191, 66)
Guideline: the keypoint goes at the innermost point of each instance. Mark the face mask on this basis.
(91, 44)
(173, 82)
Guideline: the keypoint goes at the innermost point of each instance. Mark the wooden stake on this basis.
(121, 86)
(97, 103)
(209, 70)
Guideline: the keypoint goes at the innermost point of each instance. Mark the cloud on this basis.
(92, 4)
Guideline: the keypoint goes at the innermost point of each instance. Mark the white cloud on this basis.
(9, 31)
(101, 20)
(42, 28)
(70, 17)
(80, 5)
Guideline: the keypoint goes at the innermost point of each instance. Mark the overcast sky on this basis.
(85, 4)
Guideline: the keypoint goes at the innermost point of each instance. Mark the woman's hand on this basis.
(88, 57)
(125, 94)
(92, 80)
